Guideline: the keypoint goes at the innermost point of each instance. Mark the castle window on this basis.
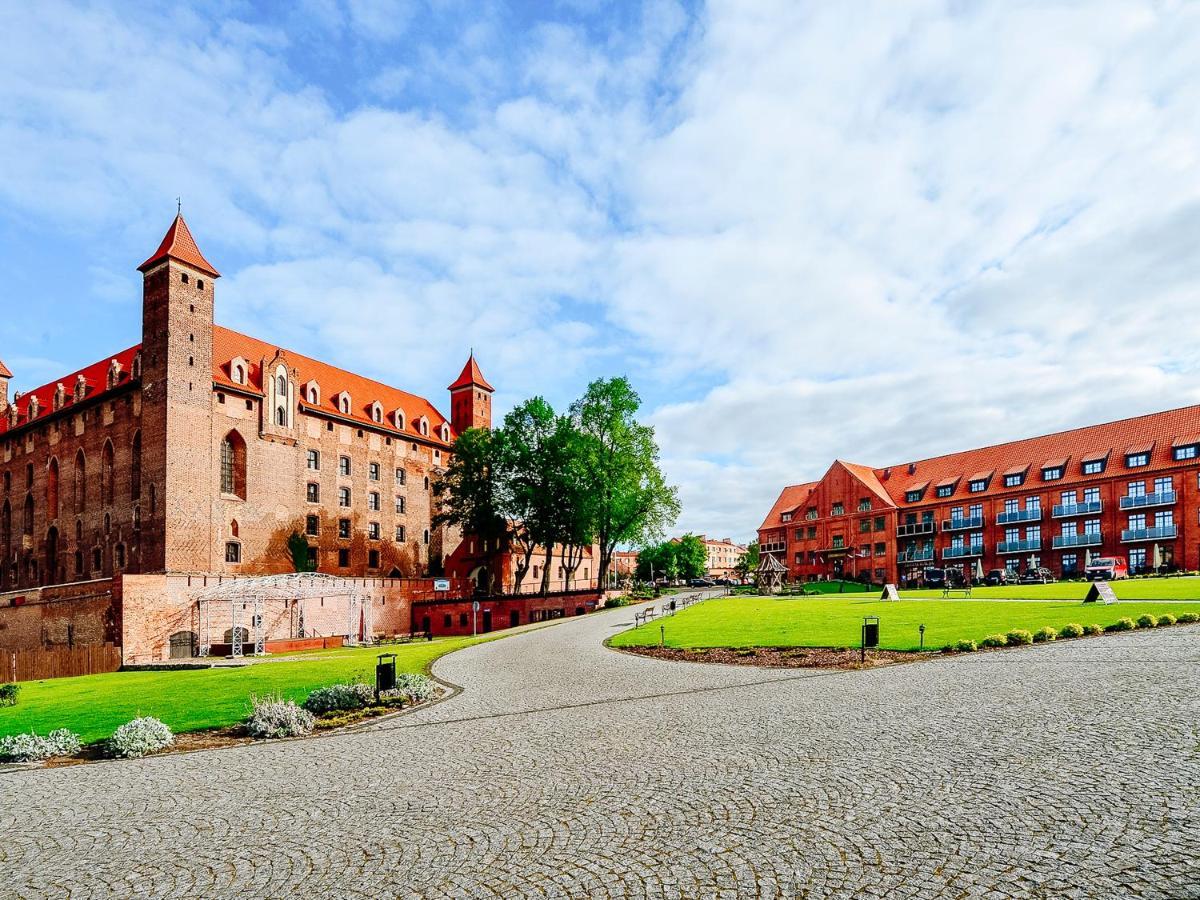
(199, 284)
(399, 534)
(400, 476)
(97, 560)
(400, 505)
(343, 465)
(233, 552)
(120, 551)
(344, 497)
(281, 385)
(313, 492)
(426, 535)
(344, 558)
(106, 474)
(398, 417)
(312, 559)
(27, 523)
(314, 460)
(220, 398)
(238, 374)
(426, 482)
(376, 411)
(445, 432)
(233, 465)
(343, 528)
(373, 471)
(29, 476)
(373, 501)
(80, 482)
(424, 426)
(78, 562)
(312, 525)
(281, 417)
(52, 489)
(183, 276)
(373, 531)
(373, 559)
(233, 528)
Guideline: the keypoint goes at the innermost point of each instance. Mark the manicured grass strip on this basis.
(94, 705)
(812, 622)
(1181, 588)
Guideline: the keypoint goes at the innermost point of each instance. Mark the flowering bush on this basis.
(1092, 629)
(1166, 619)
(1188, 618)
(1019, 636)
(1045, 634)
(9, 693)
(966, 647)
(274, 717)
(339, 697)
(30, 747)
(1071, 631)
(410, 688)
(1148, 621)
(1125, 624)
(140, 737)
(994, 640)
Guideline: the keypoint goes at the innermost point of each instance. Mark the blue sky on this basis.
(874, 231)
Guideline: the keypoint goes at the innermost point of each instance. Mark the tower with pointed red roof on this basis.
(177, 350)
(5, 375)
(470, 399)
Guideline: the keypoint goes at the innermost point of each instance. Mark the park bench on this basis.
(947, 591)
(644, 616)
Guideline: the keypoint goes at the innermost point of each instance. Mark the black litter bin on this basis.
(385, 673)
(870, 632)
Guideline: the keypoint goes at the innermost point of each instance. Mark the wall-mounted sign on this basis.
(441, 584)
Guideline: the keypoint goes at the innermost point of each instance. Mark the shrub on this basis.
(1188, 618)
(1147, 621)
(31, 747)
(140, 737)
(274, 717)
(994, 640)
(611, 602)
(966, 647)
(1071, 631)
(1019, 636)
(338, 697)
(1093, 629)
(9, 693)
(411, 688)
(1125, 624)
(1166, 619)
(1045, 634)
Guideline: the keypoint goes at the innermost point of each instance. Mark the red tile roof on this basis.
(1017, 470)
(178, 244)
(229, 345)
(1058, 462)
(471, 376)
(789, 498)
(869, 479)
(95, 377)
(4, 371)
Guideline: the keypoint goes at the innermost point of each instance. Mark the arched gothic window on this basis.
(27, 524)
(233, 465)
(281, 416)
(80, 483)
(52, 489)
(106, 474)
(135, 468)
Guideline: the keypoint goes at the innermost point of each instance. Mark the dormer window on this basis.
(114, 374)
(238, 370)
(945, 490)
(1135, 460)
(810, 513)
(977, 486)
(377, 412)
(838, 510)
(1014, 480)
(1185, 451)
(785, 517)
(423, 426)
(913, 496)
(342, 403)
(1053, 474)
(445, 432)
(398, 419)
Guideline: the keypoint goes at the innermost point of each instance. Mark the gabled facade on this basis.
(1129, 488)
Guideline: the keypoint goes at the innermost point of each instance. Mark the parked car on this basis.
(1040, 575)
(998, 577)
(1107, 568)
(701, 582)
(936, 578)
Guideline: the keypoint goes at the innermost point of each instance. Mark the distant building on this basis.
(723, 556)
(1128, 488)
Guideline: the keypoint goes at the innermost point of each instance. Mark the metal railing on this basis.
(915, 556)
(963, 552)
(1087, 539)
(1019, 546)
(1159, 498)
(914, 528)
(962, 524)
(1129, 535)
(1067, 510)
(1019, 515)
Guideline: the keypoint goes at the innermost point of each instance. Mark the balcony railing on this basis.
(1067, 510)
(1161, 498)
(906, 556)
(963, 552)
(1019, 515)
(1087, 539)
(914, 528)
(962, 524)
(778, 547)
(1130, 535)
(1019, 546)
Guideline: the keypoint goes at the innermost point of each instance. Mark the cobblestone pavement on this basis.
(568, 770)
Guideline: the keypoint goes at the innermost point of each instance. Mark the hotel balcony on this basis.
(1162, 532)
(778, 547)
(1019, 515)
(908, 556)
(913, 529)
(1162, 498)
(1067, 510)
(1019, 546)
(963, 552)
(962, 524)
(1088, 539)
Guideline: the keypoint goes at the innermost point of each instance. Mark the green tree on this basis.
(748, 561)
(631, 502)
(531, 455)
(691, 557)
(468, 495)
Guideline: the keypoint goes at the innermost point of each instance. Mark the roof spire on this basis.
(178, 206)
(471, 376)
(179, 245)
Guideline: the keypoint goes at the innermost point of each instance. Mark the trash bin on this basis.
(385, 673)
(870, 631)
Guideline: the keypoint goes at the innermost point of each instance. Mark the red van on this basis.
(1107, 568)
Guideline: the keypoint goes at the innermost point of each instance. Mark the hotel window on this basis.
(1033, 533)
(344, 496)
(913, 496)
(1164, 485)
(1137, 489)
(1188, 452)
(1012, 535)
(785, 517)
(1134, 460)
(314, 460)
(978, 486)
(343, 465)
(1014, 480)
(1094, 466)
(1069, 529)
(373, 471)
(1052, 474)
(1070, 563)
(864, 526)
(864, 505)
(373, 501)
(373, 531)
(1067, 498)
(1033, 503)
(399, 534)
(945, 490)
(312, 493)
(1137, 559)
(343, 528)
(956, 512)
(838, 510)
(879, 523)
(1011, 506)
(1091, 495)
(1091, 526)
(1137, 522)
(312, 525)
(1164, 519)
(233, 552)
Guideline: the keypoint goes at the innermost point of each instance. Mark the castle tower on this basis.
(177, 377)
(470, 399)
(5, 375)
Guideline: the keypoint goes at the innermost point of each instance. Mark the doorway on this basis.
(487, 621)
(514, 618)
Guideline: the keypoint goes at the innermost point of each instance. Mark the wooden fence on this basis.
(58, 662)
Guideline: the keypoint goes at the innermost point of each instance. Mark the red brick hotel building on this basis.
(1129, 488)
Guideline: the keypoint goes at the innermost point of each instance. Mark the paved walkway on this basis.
(568, 770)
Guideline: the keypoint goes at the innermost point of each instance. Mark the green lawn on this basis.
(811, 622)
(1178, 588)
(190, 700)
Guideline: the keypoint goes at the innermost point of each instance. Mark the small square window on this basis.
(945, 490)
(1094, 466)
(977, 487)
(1054, 473)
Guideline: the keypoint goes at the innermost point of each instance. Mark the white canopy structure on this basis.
(234, 598)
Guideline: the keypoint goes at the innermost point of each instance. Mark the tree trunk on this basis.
(546, 570)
